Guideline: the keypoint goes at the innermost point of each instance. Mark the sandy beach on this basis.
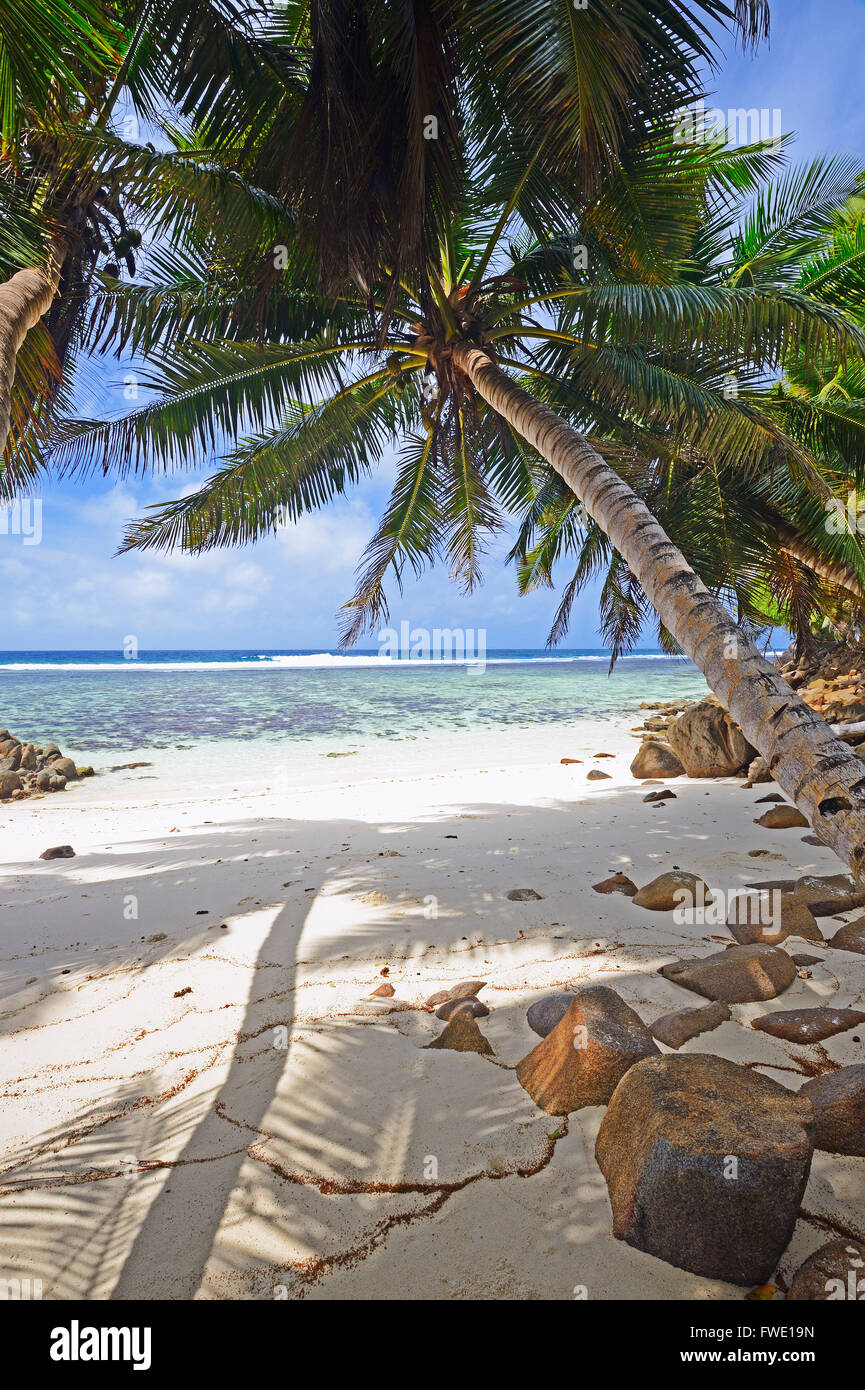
(200, 1099)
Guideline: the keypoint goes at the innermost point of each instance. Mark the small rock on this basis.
(664, 1147)
(825, 894)
(618, 883)
(384, 991)
(58, 852)
(808, 1025)
(179, 993)
(839, 1107)
(543, 1016)
(523, 895)
(802, 959)
(596, 775)
(678, 888)
(581, 1061)
(834, 1272)
(782, 818)
(739, 975)
(466, 989)
(678, 1028)
(850, 937)
(758, 771)
(462, 1034)
(569, 762)
(156, 936)
(774, 797)
(451, 1007)
(665, 795)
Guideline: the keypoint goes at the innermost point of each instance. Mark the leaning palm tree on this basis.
(510, 355)
(772, 540)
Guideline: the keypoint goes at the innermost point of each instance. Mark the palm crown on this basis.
(632, 324)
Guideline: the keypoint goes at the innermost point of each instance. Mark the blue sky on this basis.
(71, 592)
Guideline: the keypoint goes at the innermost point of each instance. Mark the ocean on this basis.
(298, 714)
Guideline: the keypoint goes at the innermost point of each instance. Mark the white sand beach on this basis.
(200, 1100)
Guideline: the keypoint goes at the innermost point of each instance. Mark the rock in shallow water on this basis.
(706, 1163)
(839, 1108)
(581, 1061)
(739, 975)
(58, 852)
(523, 895)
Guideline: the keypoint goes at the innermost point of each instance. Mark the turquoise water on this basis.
(96, 701)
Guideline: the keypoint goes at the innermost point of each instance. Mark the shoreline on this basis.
(156, 1121)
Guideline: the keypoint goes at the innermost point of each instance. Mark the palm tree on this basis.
(501, 362)
(70, 183)
(756, 534)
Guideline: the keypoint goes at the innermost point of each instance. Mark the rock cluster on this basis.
(32, 769)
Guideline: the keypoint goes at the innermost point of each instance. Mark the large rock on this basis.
(9, 782)
(706, 1163)
(850, 937)
(808, 1025)
(771, 918)
(739, 975)
(834, 1272)
(839, 1109)
(656, 759)
(678, 888)
(708, 741)
(587, 1053)
(675, 1029)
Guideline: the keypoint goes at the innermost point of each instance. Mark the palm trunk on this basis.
(821, 774)
(840, 575)
(24, 298)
